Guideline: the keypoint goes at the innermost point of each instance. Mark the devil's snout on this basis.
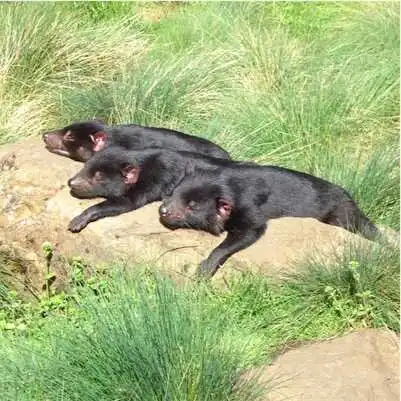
(74, 182)
(163, 211)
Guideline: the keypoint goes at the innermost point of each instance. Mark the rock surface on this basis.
(361, 366)
(36, 207)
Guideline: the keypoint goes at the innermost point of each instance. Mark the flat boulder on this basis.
(36, 207)
(360, 366)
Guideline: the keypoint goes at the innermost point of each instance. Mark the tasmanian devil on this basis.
(130, 179)
(80, 140)
(240, 199)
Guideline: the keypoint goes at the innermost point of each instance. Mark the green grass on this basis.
(144, 338)
(356, 288)
(160, 92)
(45, 51)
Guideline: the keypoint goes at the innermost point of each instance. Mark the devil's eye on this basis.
(98, 176)
(192, 204)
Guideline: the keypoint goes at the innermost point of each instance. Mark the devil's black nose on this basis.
(71, 182)
(163, 210)
(45, 135)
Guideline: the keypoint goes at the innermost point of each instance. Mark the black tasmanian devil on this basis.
(241, 198)
(130, 179)
(80, 140)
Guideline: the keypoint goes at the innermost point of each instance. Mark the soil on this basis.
(360, 366)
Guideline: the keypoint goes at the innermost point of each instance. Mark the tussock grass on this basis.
(142, 340)
(356, 288)
(361, 286)
(160, 92)
(43, 51)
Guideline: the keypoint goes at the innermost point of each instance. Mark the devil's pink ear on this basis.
(130, 174)
(68, 136)
(99, 140)
(224, 207)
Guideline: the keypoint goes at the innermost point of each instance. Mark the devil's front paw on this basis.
(77, 224)
(205, 270)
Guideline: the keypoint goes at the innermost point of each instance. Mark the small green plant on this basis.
(55, 302)
(358, 309)
(48, 250)
(361, 286)
(77, 271)
(84, 275)
(18, 315)
(12, 311)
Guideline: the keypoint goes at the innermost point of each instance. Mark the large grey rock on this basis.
(36, 207)
(361, 366)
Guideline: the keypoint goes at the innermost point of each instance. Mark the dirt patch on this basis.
(361, 366)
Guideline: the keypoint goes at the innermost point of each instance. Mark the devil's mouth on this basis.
(80, 195)
(60, 152)
(169, 224)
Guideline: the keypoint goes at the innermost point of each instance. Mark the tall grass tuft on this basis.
(294, 99)
(175, 92)
(44, 50)
(362, 286)
(141, 340)
(358, 287)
